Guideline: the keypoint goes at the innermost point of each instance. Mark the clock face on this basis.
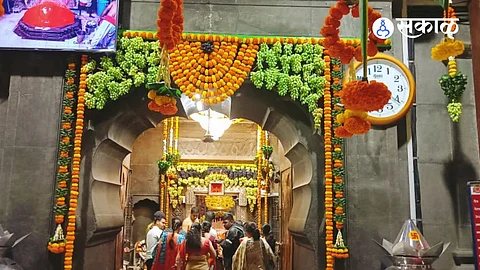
(395, 79)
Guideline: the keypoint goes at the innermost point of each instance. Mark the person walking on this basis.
(153, 237)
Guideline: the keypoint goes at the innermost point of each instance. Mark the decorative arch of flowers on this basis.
(208, 68)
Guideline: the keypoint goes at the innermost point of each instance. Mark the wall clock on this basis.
(399, 80)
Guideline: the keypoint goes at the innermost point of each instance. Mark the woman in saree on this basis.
(254, 252)
(168, 247)
(195, 251)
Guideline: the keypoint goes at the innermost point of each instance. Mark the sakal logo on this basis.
(383, 28)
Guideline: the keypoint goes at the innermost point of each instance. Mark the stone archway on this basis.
(113, 131)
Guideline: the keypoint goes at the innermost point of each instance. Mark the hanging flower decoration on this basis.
(331, 32)
(77, 148)
(446, 48)
(365, 96)
(339, 249)
(327, 127)
(164, 100)
(454, 83)
(170, 23)
(57, 242)
(359, 98)
(212, 75)
(169, 34)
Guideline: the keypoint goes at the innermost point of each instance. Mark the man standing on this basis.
(232, 240)
(210, 216)
(153, 236)
(187, 223)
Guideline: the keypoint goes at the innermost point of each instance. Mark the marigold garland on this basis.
(331, 32)
(327, 127)
(170, 23)
(339, 249)
(57, 242)
(77, 147)
(214, 75)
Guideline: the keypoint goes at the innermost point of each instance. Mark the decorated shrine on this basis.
(252, 125)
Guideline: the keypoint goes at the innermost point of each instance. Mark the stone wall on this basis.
(30, 108)
(447, 153)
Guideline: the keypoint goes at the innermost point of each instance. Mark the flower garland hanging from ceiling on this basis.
(454, 83)
(339, 249)
(57, 243)
(331, 32)
(327, 135)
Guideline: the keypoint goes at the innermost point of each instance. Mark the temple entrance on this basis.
(293, 208)
(238, 173)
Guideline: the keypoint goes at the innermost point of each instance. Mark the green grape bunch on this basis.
(257, 77)
(135, 65)
(283, 84)
(295, 85)
(285, 64)
(271, 59)
(455, 110)
(271, 77)
(277, 48)
(296, 63)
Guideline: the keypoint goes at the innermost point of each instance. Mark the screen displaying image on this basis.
(72, 25)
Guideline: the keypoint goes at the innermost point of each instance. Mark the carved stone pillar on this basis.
(190, 201)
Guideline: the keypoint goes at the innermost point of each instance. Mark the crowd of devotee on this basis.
(192, 244)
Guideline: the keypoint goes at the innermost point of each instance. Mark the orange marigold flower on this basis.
(335, 12)
(341, 132)
(357, 125)
(329, 20)
(347, 55)
(169, 109)
(329, 30)
(343, 7)
(364, 96)
(330, 41)
(356, 11)
(358, 53)
(372, 49)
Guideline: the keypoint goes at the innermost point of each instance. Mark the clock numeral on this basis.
(388, 71)
(396, 78)
(377, 68)
(359, 78)
(389, 106)
(400, 88)
(397, 99)
(369, 71)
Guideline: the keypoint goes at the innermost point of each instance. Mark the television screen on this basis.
(71, 25)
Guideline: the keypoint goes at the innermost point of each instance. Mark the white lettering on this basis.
(449, 27)
(406, 26)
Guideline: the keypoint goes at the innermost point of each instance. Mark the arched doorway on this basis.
(111, 136)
